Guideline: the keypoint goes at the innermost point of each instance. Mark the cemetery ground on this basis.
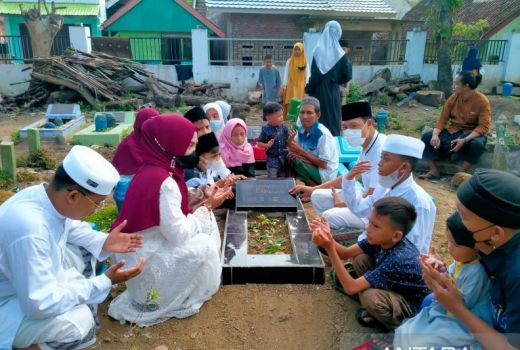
(259, 316)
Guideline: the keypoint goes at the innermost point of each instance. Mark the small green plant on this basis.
(383, 100)
(103, 218)
(355, 93)
(15, 137)
(424, 125)
(41, 159)
(6, 181)
(27, 176)
(395, 120)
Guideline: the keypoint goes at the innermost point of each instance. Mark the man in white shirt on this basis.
(44, 256)
(359, 130)
(312, 157)
(398, 157)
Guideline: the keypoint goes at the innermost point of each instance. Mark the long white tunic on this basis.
(182, 263)
(421, 233)
(33, 281)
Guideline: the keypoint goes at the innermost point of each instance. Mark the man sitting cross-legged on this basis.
(327, 199)
(312, 156)
(387, 272)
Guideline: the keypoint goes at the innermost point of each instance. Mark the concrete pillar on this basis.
(310, 39)
(8, 159)
(415, 48)
(200, 49)
(33, 139)
(512, 52)
(80, 38)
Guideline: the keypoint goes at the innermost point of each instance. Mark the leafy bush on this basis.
(395, 120)
(6, 182)
(15, 137)
(355, 93)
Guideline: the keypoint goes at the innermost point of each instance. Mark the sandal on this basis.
(365, 319)
(336, 284)
(429, 176)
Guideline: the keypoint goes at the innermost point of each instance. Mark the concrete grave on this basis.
(89, 136)
(304, 265)
(68, 115)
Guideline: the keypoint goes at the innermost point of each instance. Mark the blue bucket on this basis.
(100, 122)
(507, 89)
(121, 189)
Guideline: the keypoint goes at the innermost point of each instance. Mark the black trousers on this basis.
(470, 152)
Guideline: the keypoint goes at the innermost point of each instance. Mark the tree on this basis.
(440, 19)
(42, 29)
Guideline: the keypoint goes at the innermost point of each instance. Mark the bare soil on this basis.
(267, 235)
(270, 316)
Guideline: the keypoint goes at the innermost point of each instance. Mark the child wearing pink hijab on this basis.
(236, 152)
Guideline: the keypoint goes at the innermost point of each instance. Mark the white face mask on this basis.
(354, 137)
(389, 181)
(212, 164)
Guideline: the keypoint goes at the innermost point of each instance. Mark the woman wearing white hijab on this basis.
(216, 119)
(329, 70)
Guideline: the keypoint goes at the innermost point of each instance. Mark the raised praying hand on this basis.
(358, 169)
(120, 242)
(321, 235)
(446, 293)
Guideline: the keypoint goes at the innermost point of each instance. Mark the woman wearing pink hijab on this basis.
(128, 154)
(181, 249)
(236, 152)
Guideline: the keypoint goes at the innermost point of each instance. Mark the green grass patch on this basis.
(103, 218)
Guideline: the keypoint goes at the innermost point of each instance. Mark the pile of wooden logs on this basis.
(382, 82)
(97, 77)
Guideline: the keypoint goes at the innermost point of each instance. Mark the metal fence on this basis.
(17, 48)
(248, 52)
(489, 51)
(377, 52)
(251, 52)
(163, 50)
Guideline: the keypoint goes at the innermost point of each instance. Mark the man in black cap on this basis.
(359, 131)
(198, 117)
(489, 204)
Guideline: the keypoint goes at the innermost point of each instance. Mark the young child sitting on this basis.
(390, 285)
(433, 326)
(236, 152)
(274, 139)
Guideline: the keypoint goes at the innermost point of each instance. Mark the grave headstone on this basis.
(8, 159)
(267, 195)
(63, 111)
(33, 139)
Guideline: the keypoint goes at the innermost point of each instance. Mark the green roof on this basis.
(13, 8)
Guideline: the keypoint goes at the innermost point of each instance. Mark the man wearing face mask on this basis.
(399, 155)
(358, 130)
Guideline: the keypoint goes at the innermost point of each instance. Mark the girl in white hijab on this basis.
(216, 119)
(225, 107)
(328, 51)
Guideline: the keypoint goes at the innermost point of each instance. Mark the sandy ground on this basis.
(266, 316)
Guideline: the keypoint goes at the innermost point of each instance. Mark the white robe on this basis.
(182, 263)
(34, 282)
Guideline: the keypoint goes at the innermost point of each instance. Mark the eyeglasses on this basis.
(96, 204)
(482, 229)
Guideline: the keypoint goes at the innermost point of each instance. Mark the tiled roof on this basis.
(497, 12)
(70, 9)
(353, 6)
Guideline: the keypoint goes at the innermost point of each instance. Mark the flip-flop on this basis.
(336, 284)
(362, 315)
(429, 176)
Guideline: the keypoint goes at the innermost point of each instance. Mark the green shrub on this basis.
(6, 182)
(355, 93)
(103, 218)
(41, 159)
(15, 137)
(395, 121)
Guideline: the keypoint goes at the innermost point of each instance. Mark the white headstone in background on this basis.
(80, 38)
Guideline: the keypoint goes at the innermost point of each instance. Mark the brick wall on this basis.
(266, 26)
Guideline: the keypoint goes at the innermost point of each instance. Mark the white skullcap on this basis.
(90, 170)
(404, 146)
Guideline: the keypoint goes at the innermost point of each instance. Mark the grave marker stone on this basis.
(33, 138)
(265, 195)
(8, 159)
